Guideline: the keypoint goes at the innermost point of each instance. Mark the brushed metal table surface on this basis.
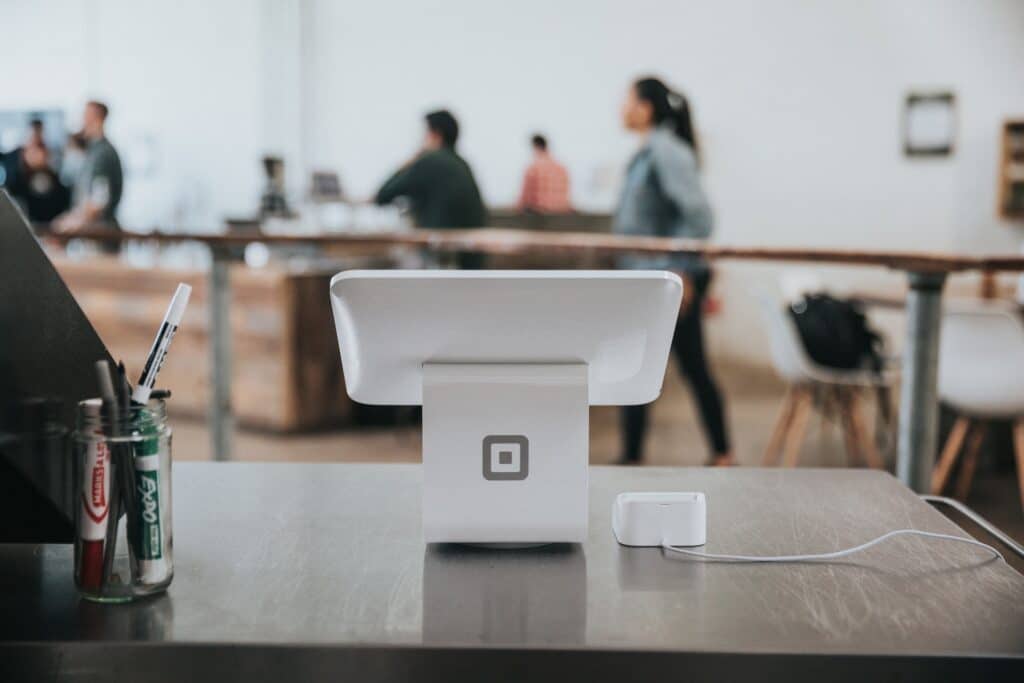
(316, 569)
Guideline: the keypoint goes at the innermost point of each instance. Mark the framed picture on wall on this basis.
(929, 124)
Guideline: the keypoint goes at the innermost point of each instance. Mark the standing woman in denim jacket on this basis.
(662, 196)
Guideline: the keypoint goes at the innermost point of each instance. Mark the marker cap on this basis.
(177, 308)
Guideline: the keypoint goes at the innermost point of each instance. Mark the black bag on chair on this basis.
(836, 334)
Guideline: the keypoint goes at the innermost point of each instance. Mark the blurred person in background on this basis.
(35, 134)
(546, 182)
(12, 162)
(32, 181)
(662, 196)
(97, 189)
(439, 184)
(36, 186)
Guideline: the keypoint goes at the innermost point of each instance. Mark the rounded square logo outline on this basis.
(524, 457)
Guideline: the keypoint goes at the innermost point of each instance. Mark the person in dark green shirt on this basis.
(438, 183)
(97, 190)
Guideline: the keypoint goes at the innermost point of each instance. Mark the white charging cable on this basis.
(720, 557)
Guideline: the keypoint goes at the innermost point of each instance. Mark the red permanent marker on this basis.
(92, 518)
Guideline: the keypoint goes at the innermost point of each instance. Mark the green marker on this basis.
(149, 546)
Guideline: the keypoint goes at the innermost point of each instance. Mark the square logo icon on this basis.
(506, 457)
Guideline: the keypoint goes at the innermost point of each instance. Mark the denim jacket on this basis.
(662, 197)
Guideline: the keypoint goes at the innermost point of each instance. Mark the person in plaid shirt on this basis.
(546, 183)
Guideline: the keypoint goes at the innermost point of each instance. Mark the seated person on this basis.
(438, 183)
(546, 183)
(36, 186)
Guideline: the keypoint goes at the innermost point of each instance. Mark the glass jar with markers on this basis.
(124, 536)
(123, 541)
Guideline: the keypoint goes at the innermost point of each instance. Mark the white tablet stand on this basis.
(525, 427)
(506, 365)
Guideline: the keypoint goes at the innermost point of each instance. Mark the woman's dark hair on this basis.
(668, 106)
(444, 124)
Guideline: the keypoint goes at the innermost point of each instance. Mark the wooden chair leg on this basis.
(1018, 448)
(795, 433)
(867, 443)
(940, 477)
(970, 461)
(853, 452)
(772, 450)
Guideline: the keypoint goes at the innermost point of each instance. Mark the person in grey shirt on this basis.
(97, 189)
(662, 196)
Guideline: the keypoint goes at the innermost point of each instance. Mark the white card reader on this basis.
(659, 519)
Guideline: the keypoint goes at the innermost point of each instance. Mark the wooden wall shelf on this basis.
(1011, 170)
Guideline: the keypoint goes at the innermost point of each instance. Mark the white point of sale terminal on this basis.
(506, 365)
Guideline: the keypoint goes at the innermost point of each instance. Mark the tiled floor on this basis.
(753, 400)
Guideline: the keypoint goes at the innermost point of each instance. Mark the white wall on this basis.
(798, 103)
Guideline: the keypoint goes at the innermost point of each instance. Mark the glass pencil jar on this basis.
(123, 530)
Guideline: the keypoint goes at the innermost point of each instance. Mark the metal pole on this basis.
(221, 423)
(919, 403)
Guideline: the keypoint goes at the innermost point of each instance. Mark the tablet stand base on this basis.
(505, 453)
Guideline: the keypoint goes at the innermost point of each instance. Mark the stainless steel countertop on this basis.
(331, 558)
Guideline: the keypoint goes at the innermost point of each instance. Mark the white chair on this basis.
(810, 385)
(981, 376)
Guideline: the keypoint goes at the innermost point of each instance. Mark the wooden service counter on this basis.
(926, 274)
(284, 377)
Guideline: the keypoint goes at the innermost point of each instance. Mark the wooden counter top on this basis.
(520, 242)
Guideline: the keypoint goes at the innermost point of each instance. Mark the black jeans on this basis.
(688, 346)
